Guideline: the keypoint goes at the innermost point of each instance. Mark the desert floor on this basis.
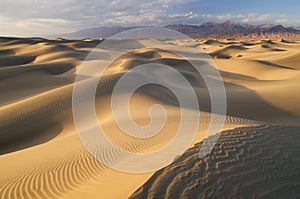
(42, 156)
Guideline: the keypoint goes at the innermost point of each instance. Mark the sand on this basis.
(41, 153)
(250, 162)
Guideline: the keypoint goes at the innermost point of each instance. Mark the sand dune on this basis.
(269, 75)
(257, 162)
(41, 153)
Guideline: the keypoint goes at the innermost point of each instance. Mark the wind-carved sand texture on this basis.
(41, 153)
(247, 162)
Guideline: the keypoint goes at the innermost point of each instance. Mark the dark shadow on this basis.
(273, 65)
(16, 137)
(271, 48)
(13, 60)
(241, 101)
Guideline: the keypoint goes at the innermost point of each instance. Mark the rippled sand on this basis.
(43, 157)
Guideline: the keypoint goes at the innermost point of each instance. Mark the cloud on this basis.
(35, 27)
(41, 22)
(255, 18)
(251, 18)
(281, 20)
(42, 17)
(47, 16)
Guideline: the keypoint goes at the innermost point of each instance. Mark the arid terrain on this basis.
(254, 162)
(42, 156)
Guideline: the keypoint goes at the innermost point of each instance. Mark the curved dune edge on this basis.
(62, 167)
(42, 155)
(257, 162)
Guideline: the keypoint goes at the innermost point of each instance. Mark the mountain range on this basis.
(209, 29)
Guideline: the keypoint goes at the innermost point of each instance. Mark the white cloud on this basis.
(40, 17)
(281, 20)
(255, 18)
(251, 18)
(41, 22)
(48, 16)
(35, 27)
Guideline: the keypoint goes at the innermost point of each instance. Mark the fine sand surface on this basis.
(247, 162)
(42, 156)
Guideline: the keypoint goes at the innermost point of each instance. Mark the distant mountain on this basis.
(209, 29)
(281, 29)
(230, 29)
(266, 26)
(296, 27)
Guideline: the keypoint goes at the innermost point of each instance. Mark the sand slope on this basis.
(261, 77)
(251, 162)
(41, 155)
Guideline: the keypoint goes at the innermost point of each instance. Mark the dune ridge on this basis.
(41, 155)
(257, 162)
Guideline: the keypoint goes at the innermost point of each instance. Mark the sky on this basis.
(46, 17)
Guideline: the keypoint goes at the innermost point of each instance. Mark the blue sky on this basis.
(42, 17)
(288, 7)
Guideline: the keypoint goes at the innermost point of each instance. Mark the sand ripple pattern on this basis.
(77, 166)
(55, 179)
(41, 157)
(257, 162)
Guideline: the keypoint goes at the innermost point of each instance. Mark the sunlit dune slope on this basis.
(42, 156)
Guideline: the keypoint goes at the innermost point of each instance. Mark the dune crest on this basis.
(42, 156)
(250, 161)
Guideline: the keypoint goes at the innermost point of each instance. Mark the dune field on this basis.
(42, 156)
